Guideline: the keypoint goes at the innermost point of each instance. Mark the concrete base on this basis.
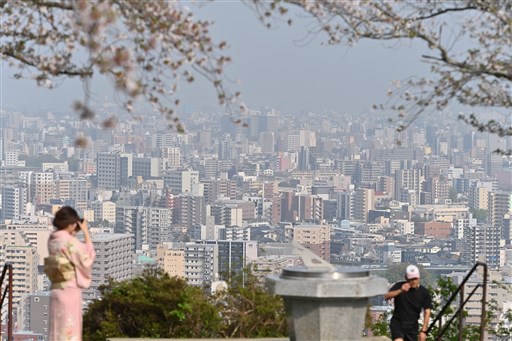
(369, 338)
(325, 319)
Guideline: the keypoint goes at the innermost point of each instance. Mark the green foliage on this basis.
(479, 214)
(441, 294)
(452, 194)
(503, 330)
(381, 326)
(38, 161)
(153, 305)
(158, 306)
(249, 310)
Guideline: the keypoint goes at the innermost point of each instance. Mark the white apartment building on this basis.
(28, 234)
(14, 200)
(227, 215)
(73, 189)
(108, 167)
(404, 226)
(180, 181)
(171, 158)
(149, 226)
(201, 265)
(24, 260)
(114, 258)
(11, 159)
(104, 210)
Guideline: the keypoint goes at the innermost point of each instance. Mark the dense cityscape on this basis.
(225, 196)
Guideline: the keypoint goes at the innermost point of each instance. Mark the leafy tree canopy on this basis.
(154, 305)
(250, 311)
(479, 214)
(158, 306)
(39, 160)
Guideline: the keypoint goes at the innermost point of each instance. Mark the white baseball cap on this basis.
(412, 271)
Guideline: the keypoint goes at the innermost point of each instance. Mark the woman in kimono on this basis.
(69, 267)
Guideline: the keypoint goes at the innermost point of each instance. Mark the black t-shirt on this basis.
(408, 305)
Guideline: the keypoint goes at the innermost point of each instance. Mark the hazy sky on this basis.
(273, 67)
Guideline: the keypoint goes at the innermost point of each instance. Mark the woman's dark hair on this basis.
(64, 217)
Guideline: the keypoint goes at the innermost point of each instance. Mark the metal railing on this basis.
(460, 310)
(7, 292)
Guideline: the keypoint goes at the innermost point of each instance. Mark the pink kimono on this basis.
(69, 268)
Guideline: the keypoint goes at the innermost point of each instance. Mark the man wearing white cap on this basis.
(410, 298)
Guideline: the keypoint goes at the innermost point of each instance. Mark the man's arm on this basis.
(394, 293)
(426, 319)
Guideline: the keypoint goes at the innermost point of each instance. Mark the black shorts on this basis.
(405, 330)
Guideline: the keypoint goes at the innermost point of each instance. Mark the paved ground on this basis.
(373, 338)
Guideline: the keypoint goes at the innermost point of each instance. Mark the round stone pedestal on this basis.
(326, 304)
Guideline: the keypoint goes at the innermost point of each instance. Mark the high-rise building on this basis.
(180, 181)
(43, 187)
(13, 202)
(25, 261)
(483, 241)
(171, 158)
(500, 203)
(305, 161)
(201, 265)
(228, 215)
(221, 188)
(346, 205)
(33, 313)
(292, 143)
(307, 138)
(368, 173)
(492, 164)
(171, 260)
(211, 168)
(479, 195)
(438, 188)
(234, 233)
(114, 256)
(364, 201)
(268, 122)
(11, 159)
(233, 255)
(149, 226)
(300, 207)
(146, 167)
(108, 167)
(224, 148)
(267, 142)
(104, 210)
(35, 235)
(72, 189)
(407, 180)
(188, 210)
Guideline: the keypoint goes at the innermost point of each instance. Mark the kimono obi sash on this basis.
(59, 270)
